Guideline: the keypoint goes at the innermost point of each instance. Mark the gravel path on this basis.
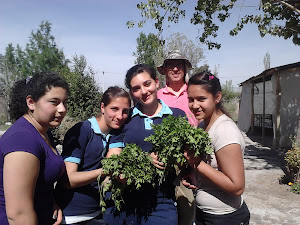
(269, 201)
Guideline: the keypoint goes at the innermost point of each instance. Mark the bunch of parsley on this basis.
(172, 137)
(134, 165)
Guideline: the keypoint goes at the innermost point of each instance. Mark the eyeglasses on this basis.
(172, 65)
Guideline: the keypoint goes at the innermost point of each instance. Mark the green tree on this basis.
(148, 46)
(275, 17)
(42, 54)
(9, 73)
(85, 97)
(228, 91)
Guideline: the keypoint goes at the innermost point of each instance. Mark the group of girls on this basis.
(30, 164)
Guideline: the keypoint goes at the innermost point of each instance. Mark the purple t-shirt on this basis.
(22, 136)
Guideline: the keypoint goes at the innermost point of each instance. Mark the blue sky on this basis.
(97, 29)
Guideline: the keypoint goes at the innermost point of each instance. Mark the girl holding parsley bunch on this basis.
(84, 147)
(221, 181)
(147, 205)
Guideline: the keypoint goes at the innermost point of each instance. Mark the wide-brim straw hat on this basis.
(174, 55)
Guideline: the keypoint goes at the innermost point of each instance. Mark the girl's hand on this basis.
(192, 160)
(188, 178)
(57, 215)
(121, 179)
(187, 182)
(156, 162)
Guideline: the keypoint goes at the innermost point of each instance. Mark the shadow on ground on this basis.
(269, 201)
(263, 156)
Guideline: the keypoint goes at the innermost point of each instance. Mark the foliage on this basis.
(228, 92)
(152, 51)
(172, 137)
(7, 77)
(231, 107)
(203, 68)
(60, 132)
(147, 48)
(85, 97)
(42, 54)
(133, 164)
(210, 13)
(296, 188)
(292, 158)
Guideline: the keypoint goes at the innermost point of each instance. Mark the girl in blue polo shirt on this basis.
(147, 205)
(83, 149)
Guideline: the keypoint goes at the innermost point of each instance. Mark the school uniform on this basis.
(85, 145)
(148, 205)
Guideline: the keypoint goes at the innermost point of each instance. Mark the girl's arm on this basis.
(20, 173)
(231, 176)
(81, 178)
(78, 179)
(113, 151)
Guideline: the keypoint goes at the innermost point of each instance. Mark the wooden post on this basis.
(276, 120)
(264, 110)
(252, 108)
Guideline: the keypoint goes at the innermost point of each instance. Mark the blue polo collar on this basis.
(164, 111)
(95, 127)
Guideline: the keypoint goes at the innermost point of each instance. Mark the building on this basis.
(273, 97)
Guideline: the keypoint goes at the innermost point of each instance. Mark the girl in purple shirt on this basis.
(29, 164)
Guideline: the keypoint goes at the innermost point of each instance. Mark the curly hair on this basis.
(36, 87)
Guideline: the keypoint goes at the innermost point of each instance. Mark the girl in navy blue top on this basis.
(29, 162)
(147, 205)
(83, 148)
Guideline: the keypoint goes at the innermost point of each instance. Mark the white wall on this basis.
(244, 119)
(269, 98)
(290, 105)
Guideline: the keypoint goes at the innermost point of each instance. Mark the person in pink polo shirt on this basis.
(174, 94)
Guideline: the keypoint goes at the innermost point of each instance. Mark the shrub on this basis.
(59, 132)
(292, 158)
(296, 188)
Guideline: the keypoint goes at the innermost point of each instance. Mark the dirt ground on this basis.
(269, 201)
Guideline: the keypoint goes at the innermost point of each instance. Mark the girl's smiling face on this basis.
(51, 108)
(116, 112)
(144, 88)
(202, 103)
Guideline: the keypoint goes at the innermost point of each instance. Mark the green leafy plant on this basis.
(172, 137)
(134, 165)
(296, 188)
(292, 158)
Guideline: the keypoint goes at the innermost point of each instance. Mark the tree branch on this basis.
(288, 5)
